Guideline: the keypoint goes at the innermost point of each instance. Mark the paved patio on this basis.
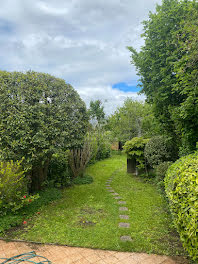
(67, 255)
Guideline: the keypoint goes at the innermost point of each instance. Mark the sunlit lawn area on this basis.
(88, 215)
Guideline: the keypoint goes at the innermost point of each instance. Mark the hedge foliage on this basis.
(181, 185)
(160, 172)
(134, 148)
(59, 174)
(158, 150)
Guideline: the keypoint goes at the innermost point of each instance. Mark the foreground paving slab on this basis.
(70, 255)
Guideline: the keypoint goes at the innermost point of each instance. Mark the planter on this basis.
(131, 165)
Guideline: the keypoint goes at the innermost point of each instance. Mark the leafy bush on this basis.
(134, 148)
(159, 149)
(104, 148)
(160, 172)
(13, 187)
(12, 220)
(39, 115)
(59, 174)
(101, 146)
(83, 180)
(181, 185)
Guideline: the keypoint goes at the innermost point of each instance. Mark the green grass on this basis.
(88, 216)
(10, 221)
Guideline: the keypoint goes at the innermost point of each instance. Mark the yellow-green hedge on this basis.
(181, 185)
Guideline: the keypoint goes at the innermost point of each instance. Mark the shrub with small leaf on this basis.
(181, 186)
(13, 187)
(160, 172)
(159, 149)
(134, 148)
(59, 173)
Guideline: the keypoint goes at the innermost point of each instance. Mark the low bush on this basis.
(59, 173)
(15, 219)
(181, 186)
(101, 147)
(13, 187)
(159, 149)
(160, 172)
(104, 149)
(83, 180)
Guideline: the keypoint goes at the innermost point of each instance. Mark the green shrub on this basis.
(83, 180)
(104, 150)
(181, 186)
(13, 187)
(134, 148)
(160, 172)
(101, 146)
(12, 220)
(59, 174)
(158, 150)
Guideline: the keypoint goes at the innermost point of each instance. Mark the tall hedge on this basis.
(181, 185)
(39, 114)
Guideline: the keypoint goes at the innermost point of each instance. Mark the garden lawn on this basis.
(88, 215)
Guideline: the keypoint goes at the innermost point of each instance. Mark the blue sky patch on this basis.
(122, 86)
(5, 26)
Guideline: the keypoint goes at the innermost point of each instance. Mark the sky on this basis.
(82, 41)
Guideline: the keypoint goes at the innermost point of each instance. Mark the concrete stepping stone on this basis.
(108, 185)
(121, 202)
(124, 216)
(110, 191)
(115, 194)
(125, 238)
(126, 225)
(123, 209)
(117, 197)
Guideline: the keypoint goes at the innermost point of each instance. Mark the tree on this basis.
(167, 66)
(132, 120)
(39, 114)
(96, 111)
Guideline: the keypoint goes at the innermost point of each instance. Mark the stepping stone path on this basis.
(125, 217)
(127, 225)
(123, 208)
(121, 202)
(125, 238)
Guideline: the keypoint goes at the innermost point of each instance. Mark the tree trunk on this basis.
(38, 176)
(131, 165)
(120, 145)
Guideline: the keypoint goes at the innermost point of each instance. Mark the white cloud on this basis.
(111, 98)
(82, 41)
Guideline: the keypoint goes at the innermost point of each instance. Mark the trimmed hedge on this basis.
(181, 186)
(158, 150)
(160, 171)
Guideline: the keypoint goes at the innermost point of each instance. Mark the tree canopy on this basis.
(167, 66)
(39, 114)
(133, 119)
(96, 111)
